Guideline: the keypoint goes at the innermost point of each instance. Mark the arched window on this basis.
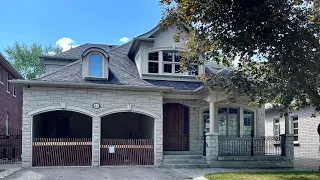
(95, 65)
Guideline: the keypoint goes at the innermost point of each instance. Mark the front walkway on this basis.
(101, 173)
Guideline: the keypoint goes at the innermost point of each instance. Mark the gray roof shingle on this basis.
(122, 70)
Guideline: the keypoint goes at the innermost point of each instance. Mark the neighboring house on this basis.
(10, 111)
(103, 105)
(306, 137)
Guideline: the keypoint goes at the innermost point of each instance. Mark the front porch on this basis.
(223, 135)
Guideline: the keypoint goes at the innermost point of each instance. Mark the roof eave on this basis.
(88, 85)
(10, 68)
(135, 44)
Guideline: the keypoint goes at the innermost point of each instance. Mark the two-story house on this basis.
(10, 112)
(103, 105)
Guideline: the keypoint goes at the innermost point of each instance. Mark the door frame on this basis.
(187, 148)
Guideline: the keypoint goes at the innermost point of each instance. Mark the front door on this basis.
(175, 127)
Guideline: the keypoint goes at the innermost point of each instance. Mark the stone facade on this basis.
(42, 99)
(307, 147)
(195, 141)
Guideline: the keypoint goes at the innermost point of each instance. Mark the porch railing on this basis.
(249, 146)
(10, 146)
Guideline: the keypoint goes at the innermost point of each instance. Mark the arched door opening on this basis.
(127, 139)
(62, 138)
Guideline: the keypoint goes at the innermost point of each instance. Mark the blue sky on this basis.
(74, 22)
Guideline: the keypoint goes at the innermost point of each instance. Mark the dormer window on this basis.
(153, 62)
(95, 65)
(168, 62)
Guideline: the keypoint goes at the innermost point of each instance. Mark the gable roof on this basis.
(5, 63)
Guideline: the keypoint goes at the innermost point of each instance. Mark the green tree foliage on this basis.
(25, 58)
(276, 43)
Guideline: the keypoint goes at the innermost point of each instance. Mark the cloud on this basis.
(66, 43)
(124, 39)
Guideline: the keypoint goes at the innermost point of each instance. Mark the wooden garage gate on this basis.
(62, 152)
(127, 152)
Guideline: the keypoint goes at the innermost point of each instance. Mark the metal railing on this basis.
(249, 146)
(10, 146)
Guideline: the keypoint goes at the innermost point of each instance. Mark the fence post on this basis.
(252, 135)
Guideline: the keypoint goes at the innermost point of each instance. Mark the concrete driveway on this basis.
(98, 173)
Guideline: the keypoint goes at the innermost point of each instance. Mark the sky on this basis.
(75, 22)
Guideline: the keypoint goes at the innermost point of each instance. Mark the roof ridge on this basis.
(61, 68)
(119, 46)
(70, 49)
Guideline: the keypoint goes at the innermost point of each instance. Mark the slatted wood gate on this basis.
(127, 152)
(62, 152)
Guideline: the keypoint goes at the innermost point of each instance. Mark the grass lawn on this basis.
(263, 175)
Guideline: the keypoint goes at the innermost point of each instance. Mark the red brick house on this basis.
(10, 100)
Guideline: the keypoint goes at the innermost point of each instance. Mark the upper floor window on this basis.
(276, 127)
(153, 62)
(95, 65)
(295, 128)
(168, 62)
(247, 122)
(1, 75)
(8, 84)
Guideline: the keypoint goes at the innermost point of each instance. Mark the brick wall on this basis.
(306, 152)
(9, 104)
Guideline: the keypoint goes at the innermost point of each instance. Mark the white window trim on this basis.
(14, 91)
(292, 122)
(86, 67)
(274, 127)
(153, 61)
(8, 83)
(161, 63)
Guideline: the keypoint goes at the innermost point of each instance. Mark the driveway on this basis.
(98, 173)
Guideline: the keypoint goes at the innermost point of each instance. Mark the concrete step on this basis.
(184, 161)
(183, 157)
(187, 166)
(176, 152)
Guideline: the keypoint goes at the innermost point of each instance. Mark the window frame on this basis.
(295, 121)
(227, 120)
(1, 75)
(8, 84)
(153, 61)
(161, 63)
(251, 115)
(102, 64)
(275, 125)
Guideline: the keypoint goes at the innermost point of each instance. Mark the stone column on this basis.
(287, 148)
(212, 136)
(26, 142)
(96, 141)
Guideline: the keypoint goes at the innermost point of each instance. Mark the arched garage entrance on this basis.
(61, 138)
(127, 138)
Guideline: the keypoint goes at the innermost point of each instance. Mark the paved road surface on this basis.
(101, 173)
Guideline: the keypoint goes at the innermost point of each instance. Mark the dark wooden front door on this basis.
(175, 127)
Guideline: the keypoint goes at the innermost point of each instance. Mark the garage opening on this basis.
(62, 138)
(127, 139)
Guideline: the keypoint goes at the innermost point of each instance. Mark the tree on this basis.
(275, 41)
(25, 58)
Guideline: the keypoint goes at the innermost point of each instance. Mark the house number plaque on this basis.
(96, 106)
